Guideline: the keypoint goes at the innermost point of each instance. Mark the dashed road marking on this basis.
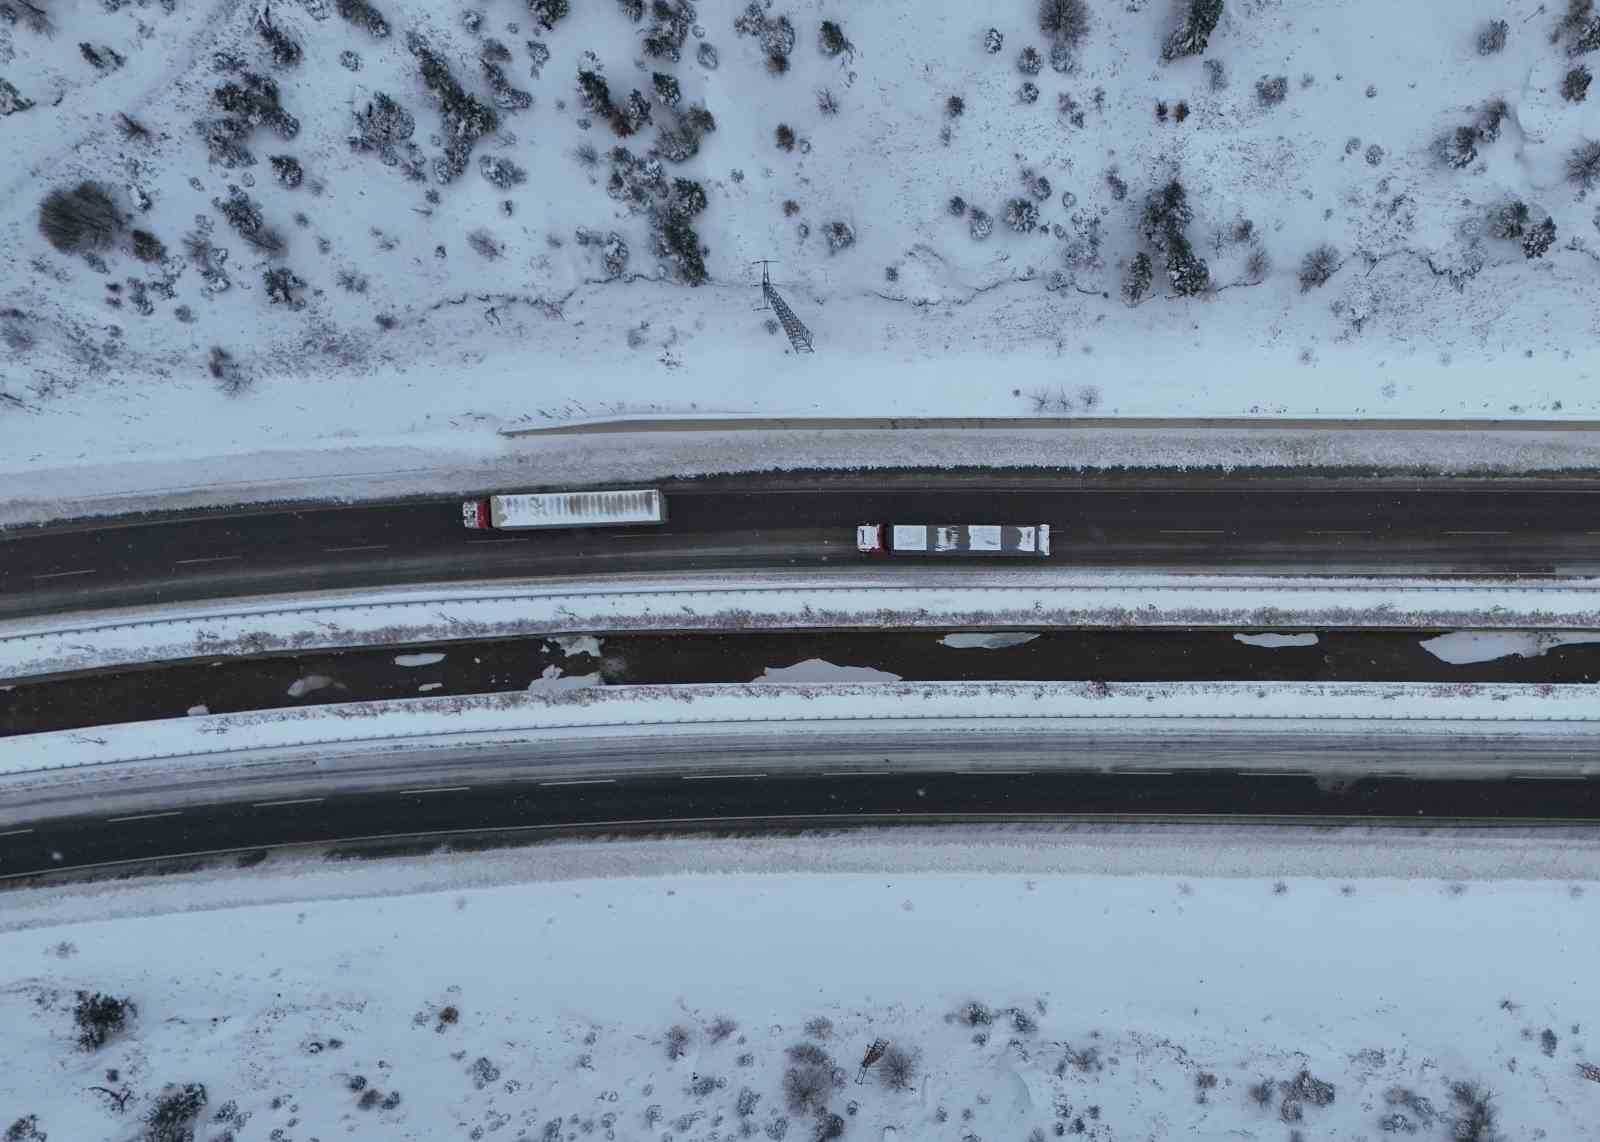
(361, 547)
(64, 574)
(719, 776)
(1477, 533)
(144, 817)
(295, 801)
(209, 559)
(1337, 532)
(16, 833)
(440, 789)
(589, 781)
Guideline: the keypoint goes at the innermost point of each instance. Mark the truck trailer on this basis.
(954, 539)
(565, 509)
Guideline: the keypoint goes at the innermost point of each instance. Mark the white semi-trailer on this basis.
(566, 509)
(954, 539)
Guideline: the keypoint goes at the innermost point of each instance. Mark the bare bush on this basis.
(363, 15)
(677, 1042)
(1583, 164)
(281, 285)
(1272, 90)
(1066, 20)
(826, 103)
(287, 170)
(485, 244)
(31, 14)
(807, 1087)
(1022, 216)
(466, 118)
(897, 1070)
(172, 1117)
(244, 215)
(284, 47)
(548, 13)
(131, 129)
(1140, 273)
(1318, 266)
(146, 246)
(81, 219)
(1475, 1117)
(832, 40)
(1575, 84)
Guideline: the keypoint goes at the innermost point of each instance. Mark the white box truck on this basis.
(954, 539)
(566, 509)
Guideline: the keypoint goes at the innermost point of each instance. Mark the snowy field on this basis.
(507, 244)
(1026, 985)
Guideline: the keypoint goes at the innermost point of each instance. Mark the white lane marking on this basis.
(987, 772)
(1333, 532)
(16, 833)
(296, 801)
(361, 547)
(144, 817)
(1515, 777)
(1477, 533)
(208, 559)
(1141, 772)
(64, 574)
(1271, 773)
(440, 789)
(1190, 531)
(850, 773)
(719, 776)
(591, 781)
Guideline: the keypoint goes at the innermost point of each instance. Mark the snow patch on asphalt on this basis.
(310, 684)
(429, 686)
(1273, 641)
(199, 711)
(815, 670)
(417, 659)
(975, 640)
(1463, 647)
(554, 680)
(573, 644)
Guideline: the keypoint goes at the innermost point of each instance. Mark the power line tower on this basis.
(799, 335)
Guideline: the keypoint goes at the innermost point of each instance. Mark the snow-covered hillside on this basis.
(1024, 986)
(545, 279)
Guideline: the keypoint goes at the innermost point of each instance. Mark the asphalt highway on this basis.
(1462, 527)
(790, 801)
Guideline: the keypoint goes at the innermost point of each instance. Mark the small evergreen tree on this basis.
(1137, 283)
(1199, 21)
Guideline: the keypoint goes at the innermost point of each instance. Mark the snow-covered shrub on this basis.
(832, 40)
(254, 101)
(1258, 265)
(954, 107)
(993, 41)
(668, 93)
(1318, 266)
(287, 170)
(98, 1016)
(840, 235)
(539, 53)
(785, 137)
(979, 224)
(706, 55)
(1583, 164)
(1216, 75)
(1199, 20)
(1490, 118)
(957, 206)
(1166, 215)
(1066, 20)
(1575, 84)
(897, 1070)
(807, 1086)
(679, 140)
(1509, 220)
(633, 9)
(1028, 92)
(672, 22)
(1116, 184)
(506, 97)
(103, 58)
(1475, 1116)
(1037, 184)
(501, 173)
(614, 255)
(1374, 155)
(1022, 216)
(349, 60)
(363, 15)
(1458, 148)
(285, 49)
(1272, 90)
(382, 127)
(1538, 240)
(466, 118)
(1137, 283)
(81, 219)
(244, 215)
(172, 1117)
(826, 103)
(548, 13)
(1581, 26)
(31, 14)
(1029, 61)
(1492, 37)
(1063, 58)
(281, 282)
(677, 1042)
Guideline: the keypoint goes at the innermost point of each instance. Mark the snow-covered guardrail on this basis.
(953, 599)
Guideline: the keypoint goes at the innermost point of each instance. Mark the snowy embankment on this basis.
(935, 599)
(1108, 984)
(708, 712)
(386, 224)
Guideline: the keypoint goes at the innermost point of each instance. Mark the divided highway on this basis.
(1346, 526)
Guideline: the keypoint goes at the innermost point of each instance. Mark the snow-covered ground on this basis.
(1103, 984)
(932, 598)
(432, 323)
